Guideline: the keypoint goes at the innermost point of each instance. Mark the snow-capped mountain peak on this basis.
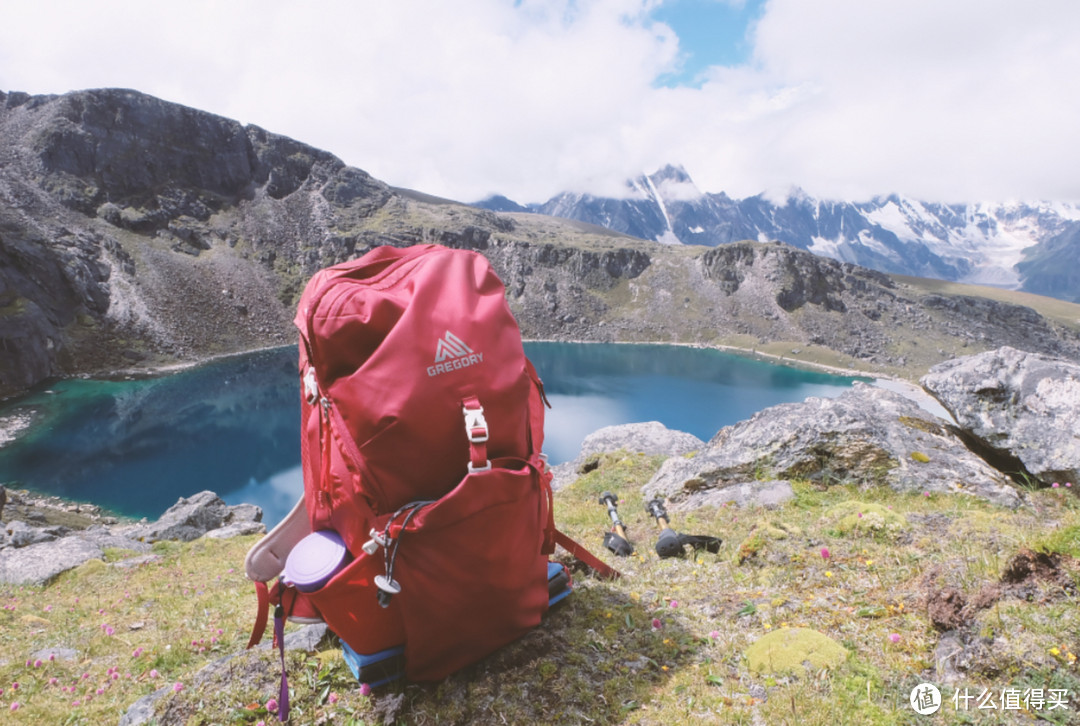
(1017, 245)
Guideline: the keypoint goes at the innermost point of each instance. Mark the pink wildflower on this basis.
(332, 698)
(656, 624)
(177, 687)
(153, 673)
(272, 705)
(714, 634)
(894, 637)
(365, 689)
(674, 603)
(825, 553)
(15, 706)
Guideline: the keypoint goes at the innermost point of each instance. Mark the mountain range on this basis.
(1032, 247)
(137, 233)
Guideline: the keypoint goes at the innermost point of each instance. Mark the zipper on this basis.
(330, 418)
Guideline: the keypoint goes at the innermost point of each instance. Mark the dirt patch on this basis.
(1029, 575)
(1029, 568)
(946, 608)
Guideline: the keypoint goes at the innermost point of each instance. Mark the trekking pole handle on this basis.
(610, 500)
(656, 509)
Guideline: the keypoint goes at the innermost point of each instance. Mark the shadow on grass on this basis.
(595, 657)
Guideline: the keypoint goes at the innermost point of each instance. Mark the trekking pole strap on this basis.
(588, 558)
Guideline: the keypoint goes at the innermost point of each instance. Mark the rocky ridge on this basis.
(1028, 246)
(1012, 429)
(35, 547)
(136, 233)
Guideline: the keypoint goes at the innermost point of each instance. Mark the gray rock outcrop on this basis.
(32, 555)
(651, 438)
(1021, 408)
(867, 435)
(195, 516)
(39, 564)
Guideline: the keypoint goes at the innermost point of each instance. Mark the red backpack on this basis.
(422, 429)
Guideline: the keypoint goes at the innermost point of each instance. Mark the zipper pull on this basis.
(311, 386)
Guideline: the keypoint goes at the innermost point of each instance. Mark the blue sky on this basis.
(710, 33)
(941, 100)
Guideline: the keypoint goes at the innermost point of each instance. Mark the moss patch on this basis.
(764, 532)
(791, 651)
(853, 517)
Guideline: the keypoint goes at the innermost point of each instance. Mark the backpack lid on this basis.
(314, 560)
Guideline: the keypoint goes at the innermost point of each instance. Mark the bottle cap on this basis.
(314, 560)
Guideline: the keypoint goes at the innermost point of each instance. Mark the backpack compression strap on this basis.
(586, 557)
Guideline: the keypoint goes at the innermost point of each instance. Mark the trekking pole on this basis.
(668, 545)
(671, 543)
(615, 540)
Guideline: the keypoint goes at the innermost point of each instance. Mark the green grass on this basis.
(664, 644)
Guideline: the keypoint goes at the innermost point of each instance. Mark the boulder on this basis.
(39, 564)
(868, 435)
(651, 438)
(236, 529)
(191, 518)
(768, 494)
(144, 711)
(1022, 408)
(21, 534)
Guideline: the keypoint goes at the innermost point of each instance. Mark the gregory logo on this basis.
(451, 354)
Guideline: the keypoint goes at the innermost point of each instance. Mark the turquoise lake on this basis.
(232, 425)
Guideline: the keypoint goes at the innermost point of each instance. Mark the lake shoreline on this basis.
(13, 424)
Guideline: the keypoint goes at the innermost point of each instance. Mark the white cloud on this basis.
(944, 101)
